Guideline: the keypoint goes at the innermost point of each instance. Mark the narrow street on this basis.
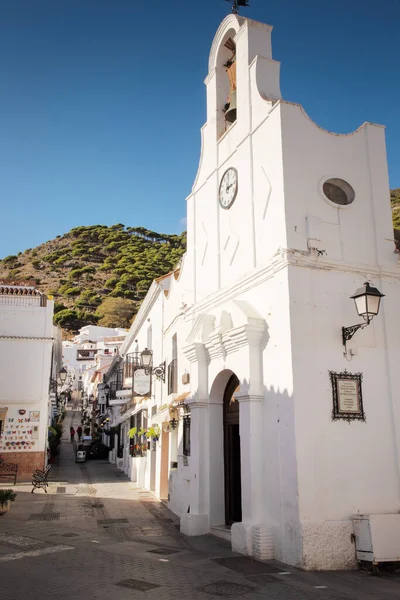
(95, 536)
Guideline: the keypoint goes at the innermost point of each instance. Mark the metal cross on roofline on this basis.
(236, 4)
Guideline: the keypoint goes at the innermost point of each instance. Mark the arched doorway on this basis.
(232, 468)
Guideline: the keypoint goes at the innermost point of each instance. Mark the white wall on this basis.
(25, 358)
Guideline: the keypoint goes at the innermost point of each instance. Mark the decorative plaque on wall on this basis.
(347, 396)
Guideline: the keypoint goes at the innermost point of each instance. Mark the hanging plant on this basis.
(142, 431)
(132, 432)
(153, 433)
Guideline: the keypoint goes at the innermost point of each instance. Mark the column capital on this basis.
(249, 397)
(197, 404)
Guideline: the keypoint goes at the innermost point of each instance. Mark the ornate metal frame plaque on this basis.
(347, 396)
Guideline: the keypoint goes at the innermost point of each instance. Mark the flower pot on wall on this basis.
(4, 508)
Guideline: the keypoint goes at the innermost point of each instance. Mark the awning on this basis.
(117, 402)
(180, 400)
(124, 393)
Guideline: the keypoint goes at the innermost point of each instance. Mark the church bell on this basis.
(230, 113)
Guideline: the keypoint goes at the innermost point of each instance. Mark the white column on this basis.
(197, 520)
(253, 535)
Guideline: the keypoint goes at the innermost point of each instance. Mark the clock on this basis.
(228, 188)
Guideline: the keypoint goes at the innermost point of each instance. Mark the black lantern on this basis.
(367, 300)
(146, 362)
(146, 358)
(173, 423)
(62, 376)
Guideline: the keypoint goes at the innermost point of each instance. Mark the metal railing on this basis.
(131, 363)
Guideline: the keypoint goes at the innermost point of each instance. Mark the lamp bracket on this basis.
(159, 371)
(348, 332)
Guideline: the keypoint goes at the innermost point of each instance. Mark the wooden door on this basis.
(232, 470)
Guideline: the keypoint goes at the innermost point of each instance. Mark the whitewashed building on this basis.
(79, 354)
(27, 342)
(282, 431)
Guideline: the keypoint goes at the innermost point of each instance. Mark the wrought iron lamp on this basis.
(367, 300)
(146, 362)
(106, 389)
(173, 423)
(62, 376)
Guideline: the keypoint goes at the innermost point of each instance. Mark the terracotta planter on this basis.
(4, 508)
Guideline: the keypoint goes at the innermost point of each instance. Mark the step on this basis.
(222, 531)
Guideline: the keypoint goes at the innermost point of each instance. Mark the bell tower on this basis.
(226, 218)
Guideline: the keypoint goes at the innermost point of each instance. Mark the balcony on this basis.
(86, 354)
(131, 363)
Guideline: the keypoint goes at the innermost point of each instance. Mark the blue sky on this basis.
(101, 101)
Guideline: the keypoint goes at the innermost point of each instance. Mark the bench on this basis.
(39, 479)
(8, 471)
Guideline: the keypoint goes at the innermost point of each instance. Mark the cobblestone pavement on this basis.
(96, 536)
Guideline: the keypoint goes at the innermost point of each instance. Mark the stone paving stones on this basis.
(111, 521)
(164, 551)
(140, 552)
(137, 584)
(246, 565)
(226, 589)
(45, 517)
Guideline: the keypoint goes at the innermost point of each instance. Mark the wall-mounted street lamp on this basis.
(173, 423)
(62, 376)
(146, 362)
(367, 300)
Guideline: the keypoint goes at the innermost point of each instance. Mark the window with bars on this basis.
(140, 422)
(186, 436)
(173, 376)
(173, 367)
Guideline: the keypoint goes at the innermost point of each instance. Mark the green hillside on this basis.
(90, 264)
(100, 274)
(395, 202)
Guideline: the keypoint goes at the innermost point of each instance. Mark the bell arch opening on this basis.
(226, 83)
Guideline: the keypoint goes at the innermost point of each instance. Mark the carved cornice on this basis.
(194, 352)
(214, 346)
(283, 259)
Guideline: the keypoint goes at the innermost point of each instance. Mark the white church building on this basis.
(272, 431)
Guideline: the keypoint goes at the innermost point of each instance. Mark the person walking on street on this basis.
(79, 432)
(72, 433)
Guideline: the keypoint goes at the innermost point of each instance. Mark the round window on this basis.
(338, 191)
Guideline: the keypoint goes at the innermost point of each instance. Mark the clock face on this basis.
(228, 188)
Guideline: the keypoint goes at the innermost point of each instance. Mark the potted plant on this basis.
(153, 433)
(137, 450)
(6, 497)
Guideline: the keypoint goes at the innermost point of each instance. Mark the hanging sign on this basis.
(347, 396)
(141, 383)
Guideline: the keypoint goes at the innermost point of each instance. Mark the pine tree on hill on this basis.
(96, 273)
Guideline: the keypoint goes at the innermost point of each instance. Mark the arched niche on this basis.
(226, 81)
